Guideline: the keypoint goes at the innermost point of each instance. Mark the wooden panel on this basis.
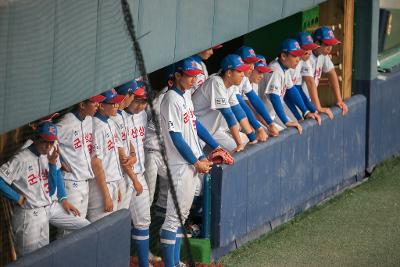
(339, 14)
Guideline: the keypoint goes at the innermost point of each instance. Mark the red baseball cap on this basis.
(96, 98)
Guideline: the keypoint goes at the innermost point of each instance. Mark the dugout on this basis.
(66, 51)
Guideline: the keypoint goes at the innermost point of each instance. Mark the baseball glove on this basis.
(220, 156)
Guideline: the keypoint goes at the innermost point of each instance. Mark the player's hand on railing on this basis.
(238, 148)
(261, 135)
(203, 166)
(314, 116)
(273, 130)
(343, 107)
(327, 111)
(108, 204)
(138, 187)
(53, 155)
(69, 208)
(296, 125)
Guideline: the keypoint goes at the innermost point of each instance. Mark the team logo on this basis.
(75, 185)
(193, 63)
(52, 130)
(170, 124)
(220, 101)
(241, 60)
(5, 170)
(30, 168)
(75, 133)
(252, 53)
(35, 213)
(297, 46)
(309, 38)
(330, 34)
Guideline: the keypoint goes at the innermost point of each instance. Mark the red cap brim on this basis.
(251, 60)
(263, 69)
(97, 98)
(244, 67)
(311, 46)
(217, 46)
(48, 137)
(192, 72)
(118, 99)
(140, 94)
(297, 53)
(332, 41)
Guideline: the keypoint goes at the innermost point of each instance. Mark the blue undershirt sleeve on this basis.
(292, 107)
(277, 104)
(238, 111)
(52, 178)
(182, 147)
(61, 194)
(8, 192)
(249, 113)
(204, 135)
(259, 106)
(306, 100)
(295, 97)
(229, 116)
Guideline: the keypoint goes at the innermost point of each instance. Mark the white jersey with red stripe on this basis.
(136, 126)
(177, 115)
(28, 174)
(105, 147)
(75, 143)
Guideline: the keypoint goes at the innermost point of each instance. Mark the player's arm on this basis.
(278, 107)
(334, 82)
(186, 152)
(10, 193)
(294, 99)
(233, 127)
(127, 168)
(310, 106)
(261, 135)
(244, 123)
(100, 176)
(204, 135)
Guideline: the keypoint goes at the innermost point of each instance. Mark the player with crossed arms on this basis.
(33, 181)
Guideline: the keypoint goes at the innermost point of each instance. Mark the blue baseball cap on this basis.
(247, 54)
(234, 62)
(127, 88)
(47, 131)
(326, 36)
(292, 47)
(112, 97)
(306, 42)
(261, 65)
(188, 66)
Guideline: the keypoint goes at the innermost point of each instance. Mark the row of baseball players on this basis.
(111, 146)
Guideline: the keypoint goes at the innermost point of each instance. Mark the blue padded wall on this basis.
(270, 182)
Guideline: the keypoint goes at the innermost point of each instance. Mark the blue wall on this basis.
(271, 182)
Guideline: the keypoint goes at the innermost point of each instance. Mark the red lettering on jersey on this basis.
(134, 132)
(46, 187)
(77, 143)
(141, 131)
(186, 117)
(88, 137)
(32, 179)
(90, 148)
(44, 175)
(110, 144)
(123, 136)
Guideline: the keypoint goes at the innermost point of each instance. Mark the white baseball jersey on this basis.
(75, 143)
(275, 82)
(151, 141)
(202, 77)
(120, 121)
(105, 147)
(213, 96)
(28, 173)
(315, 66)
(177, 115)
(136, 126)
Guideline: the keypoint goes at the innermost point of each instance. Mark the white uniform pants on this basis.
(140, 206)
(78, 195)
(31, 226)
(184, 178)
(96, 200)
(126, 188)
(154, 165)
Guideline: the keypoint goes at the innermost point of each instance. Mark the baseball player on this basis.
(185, 157)
(245, 92)
(217, 101)
(75, 143)
(279, 82)
(199, 57)
(321, 62)
(32, 180)
(106, 162)
(136, 123)
(127, 151)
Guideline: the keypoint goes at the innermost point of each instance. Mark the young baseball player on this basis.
(106, 162)
(199, 58)
(31, 179)
(321, 62)
(217, 101)
(185, 157)
(127, 151)
(75, 143)
(245, 92)
(136, 124)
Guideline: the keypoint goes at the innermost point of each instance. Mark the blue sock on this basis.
(177, 250)
(167, 240)
(141, 238)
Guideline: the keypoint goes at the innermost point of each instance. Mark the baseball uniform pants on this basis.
(154, 166)
(96, 200)
(140, 206)
(125, 187)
